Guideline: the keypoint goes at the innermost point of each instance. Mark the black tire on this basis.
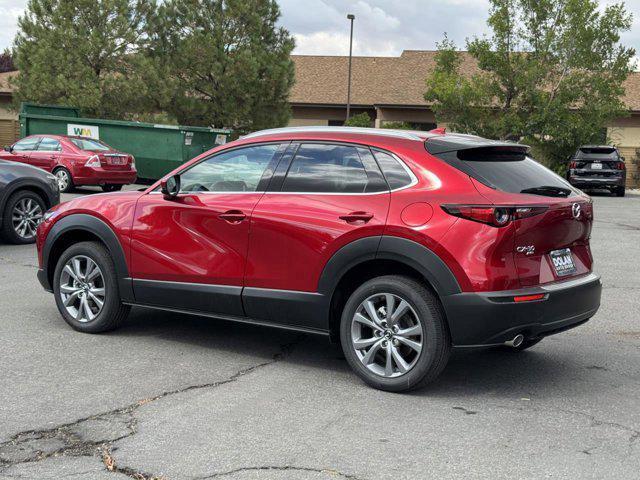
(111, 188)
(436, 349)
(526, 344)
(7, 228)
(113, 312)
(620, 191)
(69, 184)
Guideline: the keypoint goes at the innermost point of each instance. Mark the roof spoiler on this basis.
(456, 142)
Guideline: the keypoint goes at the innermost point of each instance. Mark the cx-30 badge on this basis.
(526, 249)
(576, 211)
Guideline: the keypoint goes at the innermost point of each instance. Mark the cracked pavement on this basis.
(171, 396)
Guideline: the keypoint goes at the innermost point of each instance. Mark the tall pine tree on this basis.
(223, 63)
(84, 53)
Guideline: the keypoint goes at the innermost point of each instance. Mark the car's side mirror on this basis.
(170, 187)
(622, 159)
(8, 148)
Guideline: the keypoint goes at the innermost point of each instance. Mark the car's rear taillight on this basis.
(94, 161)
(620, 165)
(496, 216)
(133, 161)
(573, 164)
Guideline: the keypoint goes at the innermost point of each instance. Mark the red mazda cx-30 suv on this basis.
(75, 161)
(399, 245)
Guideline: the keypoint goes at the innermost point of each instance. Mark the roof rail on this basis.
(354, 130)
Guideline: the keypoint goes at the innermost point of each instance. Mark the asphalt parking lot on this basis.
(181, 397)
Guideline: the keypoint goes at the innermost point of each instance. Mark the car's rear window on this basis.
(89, 144)
(597, 152)
(511, 171)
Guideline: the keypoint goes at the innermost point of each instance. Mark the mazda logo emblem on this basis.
(576, 211)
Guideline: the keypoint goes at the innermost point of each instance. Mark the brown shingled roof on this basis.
(385, 80)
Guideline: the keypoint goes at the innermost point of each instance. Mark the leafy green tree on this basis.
(84, 53)
(550, 74)
(360, 120)
(401, 125)
(223, 63)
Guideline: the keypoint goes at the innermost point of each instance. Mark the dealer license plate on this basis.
(563, 262)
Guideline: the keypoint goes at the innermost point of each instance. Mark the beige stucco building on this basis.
(9, 127)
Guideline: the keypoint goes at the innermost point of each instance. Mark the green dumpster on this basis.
(158, 149)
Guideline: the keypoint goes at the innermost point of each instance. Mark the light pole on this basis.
(351, 17)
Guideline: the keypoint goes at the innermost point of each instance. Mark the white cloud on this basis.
(10, 10)
(326, 43)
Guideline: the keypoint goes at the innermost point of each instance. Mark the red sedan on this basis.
(75, 161)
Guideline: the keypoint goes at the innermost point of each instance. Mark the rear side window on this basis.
(324, 168)
(26, 144)
(395, 174)
(90, 144)
(511, 171)
(49, 145)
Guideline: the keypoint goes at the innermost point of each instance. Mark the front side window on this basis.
(238, 170)
(322, 168)
(26, 144)
(49, 145)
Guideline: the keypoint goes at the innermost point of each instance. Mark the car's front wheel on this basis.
(85, 286)
(393, 334)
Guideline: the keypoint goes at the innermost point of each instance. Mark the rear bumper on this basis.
(100, 176)
(491, 318)
(586, 182)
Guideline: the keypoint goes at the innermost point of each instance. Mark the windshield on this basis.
(90, 144)
(510, 171)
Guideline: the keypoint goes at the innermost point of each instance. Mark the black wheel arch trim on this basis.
(422, 259)
(97, 227)
(27, 184)
(387, 247)
(347, 257)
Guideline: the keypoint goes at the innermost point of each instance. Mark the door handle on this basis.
(357, 217)
(233, 216)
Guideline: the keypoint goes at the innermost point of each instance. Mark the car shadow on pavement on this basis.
(501, 373)
(211, 333)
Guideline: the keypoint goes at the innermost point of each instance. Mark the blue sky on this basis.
(382, 27)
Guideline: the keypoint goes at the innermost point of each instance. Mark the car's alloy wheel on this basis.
(82, 288)
(25, 217)
(63, 179)
(386, 335)
(394, 334)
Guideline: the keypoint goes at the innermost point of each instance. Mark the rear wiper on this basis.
(548, 191)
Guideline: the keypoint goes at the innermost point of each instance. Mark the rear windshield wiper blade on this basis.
(548, 190)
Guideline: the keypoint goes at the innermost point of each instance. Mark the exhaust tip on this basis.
(515, 342)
